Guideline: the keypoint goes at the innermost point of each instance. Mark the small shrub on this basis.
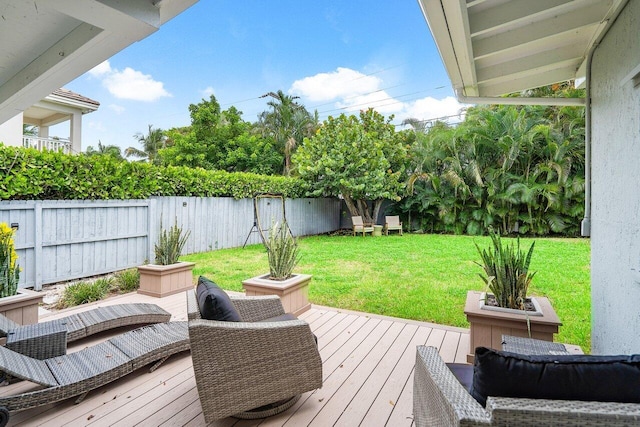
(85, 292)
(9, 270)
(128, 280)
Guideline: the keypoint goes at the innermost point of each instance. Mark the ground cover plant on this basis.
(416, 276)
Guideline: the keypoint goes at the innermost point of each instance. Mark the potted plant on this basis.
(505, 308)
(283, 255)
(19, 305)
(168, 275)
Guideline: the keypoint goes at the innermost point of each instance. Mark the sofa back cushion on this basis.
(572, 377)
(214, 303)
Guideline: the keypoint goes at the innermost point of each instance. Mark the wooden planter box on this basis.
(293, 292)
(163, 280)
(488, 326)
(23, 307)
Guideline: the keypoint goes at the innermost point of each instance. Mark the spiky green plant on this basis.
(507, 272)
(282, 250)
(170, 244)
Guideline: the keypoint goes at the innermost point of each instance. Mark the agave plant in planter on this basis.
(168, 275)
(283, 254)
(506, 308)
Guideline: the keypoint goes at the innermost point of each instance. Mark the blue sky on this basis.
(336, 55)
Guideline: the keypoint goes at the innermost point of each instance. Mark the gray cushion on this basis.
(571, 377)
(214, 303)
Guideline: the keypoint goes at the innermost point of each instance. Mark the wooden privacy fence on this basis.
(65, 240)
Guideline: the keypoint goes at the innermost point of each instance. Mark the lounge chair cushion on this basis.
(214, 303)
(563, 377)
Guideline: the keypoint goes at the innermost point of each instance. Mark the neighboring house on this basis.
(492, 47)
(47, 44)
(60, 106)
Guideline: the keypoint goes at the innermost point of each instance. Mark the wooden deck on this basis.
(367, 368)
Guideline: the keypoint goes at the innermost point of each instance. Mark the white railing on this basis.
(51, 144)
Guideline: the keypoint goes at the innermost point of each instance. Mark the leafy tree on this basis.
(151, 143)
(287, 123)
(360, 158)
(220, 140)
(105, 150)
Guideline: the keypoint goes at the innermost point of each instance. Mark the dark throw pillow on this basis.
(572, 377)
(214, 303)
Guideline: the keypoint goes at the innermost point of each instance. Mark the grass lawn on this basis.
(416, 276)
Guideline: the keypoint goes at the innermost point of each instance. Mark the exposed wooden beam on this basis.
(526, 82)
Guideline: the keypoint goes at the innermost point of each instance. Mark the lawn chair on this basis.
(392, 223)
(78, 373)
(361, 227)
(264, 361)
(49, 339)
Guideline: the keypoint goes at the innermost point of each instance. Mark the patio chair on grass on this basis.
(255, 366)
(361, 227)
(392, 223)
(49, 339)
(78, 373)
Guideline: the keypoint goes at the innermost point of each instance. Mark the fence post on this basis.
(37, 245)
(152, 229)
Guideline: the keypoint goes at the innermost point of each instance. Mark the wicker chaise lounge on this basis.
(252, 363)
(439, 399)
(49, 339)
(78, 373)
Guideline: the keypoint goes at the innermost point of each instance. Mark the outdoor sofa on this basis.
(440, 399)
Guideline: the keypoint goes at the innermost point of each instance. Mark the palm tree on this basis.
(105, 150)
(287, 122)
(152, 142)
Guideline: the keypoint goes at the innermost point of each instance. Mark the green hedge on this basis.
(28, 174)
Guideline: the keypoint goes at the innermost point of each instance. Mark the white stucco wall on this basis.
(11, 131)
(615, 231)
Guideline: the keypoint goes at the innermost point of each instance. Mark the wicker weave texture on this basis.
(243, 365)
(440, 400)
(77, 373)
(49, 339)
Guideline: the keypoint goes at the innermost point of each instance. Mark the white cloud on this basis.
(101, 69)
(129, 83)
(339, 84)
(431, 108)
(208, 92)
(118, 109)
(349, 91)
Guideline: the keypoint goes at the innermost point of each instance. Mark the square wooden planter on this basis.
(163, 280)
(293, 292)
(22, 308)
(487, 326)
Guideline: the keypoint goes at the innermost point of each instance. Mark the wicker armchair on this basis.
(240, 366)
(440, 400)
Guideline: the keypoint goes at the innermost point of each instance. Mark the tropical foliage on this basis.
(359, 158)
(151, 143)
(517, 169)
(104, 150)
(287, 123)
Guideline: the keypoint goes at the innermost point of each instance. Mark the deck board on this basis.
(367, 359)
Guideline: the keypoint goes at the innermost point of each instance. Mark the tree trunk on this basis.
(376, 209)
